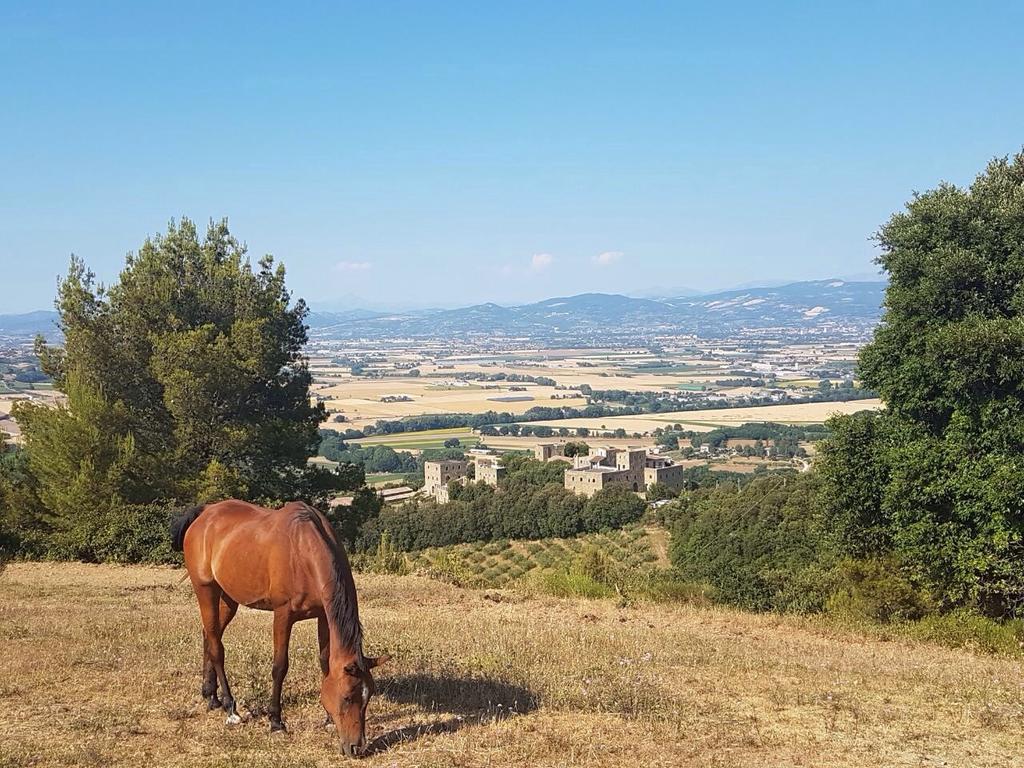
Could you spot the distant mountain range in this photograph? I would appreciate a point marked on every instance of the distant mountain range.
(837, 307)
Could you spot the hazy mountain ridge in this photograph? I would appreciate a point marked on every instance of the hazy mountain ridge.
(852, 306)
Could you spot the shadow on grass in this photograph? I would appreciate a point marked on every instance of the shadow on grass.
(469, 701)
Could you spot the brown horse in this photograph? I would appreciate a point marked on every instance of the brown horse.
(287, 561)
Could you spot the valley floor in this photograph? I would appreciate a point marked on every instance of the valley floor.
(101, 668)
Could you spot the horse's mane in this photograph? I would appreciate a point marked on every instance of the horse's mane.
(342, 609)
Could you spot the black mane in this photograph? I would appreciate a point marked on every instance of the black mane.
(342, 609)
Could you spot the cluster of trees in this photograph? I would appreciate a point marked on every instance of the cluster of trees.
(531, 503)
(919, 507)
(185, 382)
(936, 481)
(784, 438)
(760, 545)
(383, 458)
(489, 418)
(513, 378)
(372, 458)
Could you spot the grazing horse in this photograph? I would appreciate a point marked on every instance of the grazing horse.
(287, 561)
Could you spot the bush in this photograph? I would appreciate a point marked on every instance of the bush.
(876, 589)
(385, 559)
(965, 629)
(451, 569)
(126, 533)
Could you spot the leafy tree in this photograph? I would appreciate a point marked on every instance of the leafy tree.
(185, 382)
(939, 480)
(613, 507)
(572, 449)
(659, 492)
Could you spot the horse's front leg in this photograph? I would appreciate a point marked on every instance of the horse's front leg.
(282, 635)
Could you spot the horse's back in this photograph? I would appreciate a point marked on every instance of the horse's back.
(243, 548)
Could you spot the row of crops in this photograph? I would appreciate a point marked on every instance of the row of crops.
(497, 563)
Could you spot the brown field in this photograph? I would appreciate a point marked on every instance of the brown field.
(101, 668)
(359, 397)
(706, 420)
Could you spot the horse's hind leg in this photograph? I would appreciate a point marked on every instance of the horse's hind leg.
(209, 689)
(217, 611)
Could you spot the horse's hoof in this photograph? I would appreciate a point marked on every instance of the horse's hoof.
(278, 727)
(213, 704)
(232, 719)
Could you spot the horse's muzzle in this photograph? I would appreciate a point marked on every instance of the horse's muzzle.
(353, 750)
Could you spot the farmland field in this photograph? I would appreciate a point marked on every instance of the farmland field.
(707, 420)
(418, 441)
(382, 478)
(102, 666)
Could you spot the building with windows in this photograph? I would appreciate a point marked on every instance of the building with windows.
(631, 468)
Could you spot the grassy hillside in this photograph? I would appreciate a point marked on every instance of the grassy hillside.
(101, 668)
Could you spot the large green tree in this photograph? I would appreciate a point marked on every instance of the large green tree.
(185, 382)
(938, 479)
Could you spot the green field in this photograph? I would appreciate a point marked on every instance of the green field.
(384, 477)
(419, 441)
(499, 563)
(451, 387)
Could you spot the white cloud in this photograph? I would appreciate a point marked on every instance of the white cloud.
(608, 258)
(352, 266)
(540, 262)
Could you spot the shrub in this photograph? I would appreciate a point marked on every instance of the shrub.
(965, 629)
(566, 583)
(385, 559)
(752, 544)
(876, 589)
(450, 569)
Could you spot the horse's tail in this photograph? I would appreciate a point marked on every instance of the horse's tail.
(180, 524)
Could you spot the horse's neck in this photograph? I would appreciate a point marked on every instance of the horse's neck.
(340, 651)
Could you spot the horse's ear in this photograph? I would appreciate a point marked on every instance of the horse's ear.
(376, 661)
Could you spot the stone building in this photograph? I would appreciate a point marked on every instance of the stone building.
(660, 469)
(607, 467)
(437, 475)
(548, 451)
(489, 469)
(632, 468)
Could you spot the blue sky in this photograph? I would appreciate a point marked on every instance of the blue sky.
(432, 153)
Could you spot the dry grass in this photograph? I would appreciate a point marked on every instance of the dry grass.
(101, 668)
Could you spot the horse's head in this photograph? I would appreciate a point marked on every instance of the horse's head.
(345, 693)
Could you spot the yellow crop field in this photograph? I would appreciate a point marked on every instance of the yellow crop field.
(706, 420)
